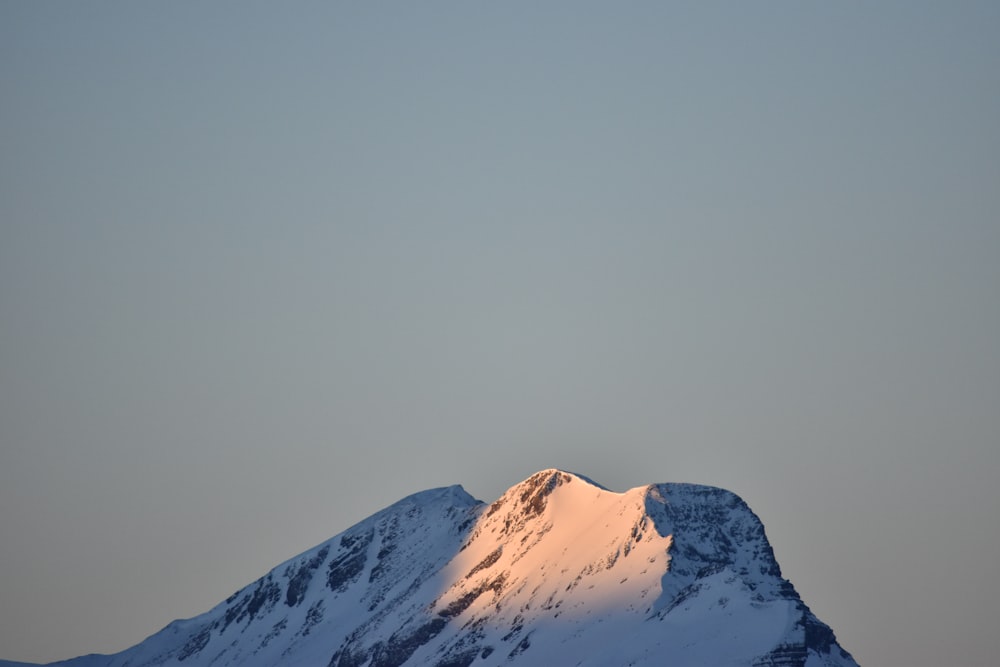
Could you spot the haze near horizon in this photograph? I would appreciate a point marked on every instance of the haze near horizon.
(265, 270)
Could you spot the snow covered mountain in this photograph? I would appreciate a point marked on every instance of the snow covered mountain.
(558, 571)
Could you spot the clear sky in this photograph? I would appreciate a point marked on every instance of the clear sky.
(266, 268)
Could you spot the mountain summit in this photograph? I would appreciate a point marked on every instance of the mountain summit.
(558, 571)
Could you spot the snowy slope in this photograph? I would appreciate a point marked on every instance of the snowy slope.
(558, 571)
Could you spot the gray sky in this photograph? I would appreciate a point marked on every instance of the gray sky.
(266, 269)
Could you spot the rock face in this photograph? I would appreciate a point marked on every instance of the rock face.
(558, 571)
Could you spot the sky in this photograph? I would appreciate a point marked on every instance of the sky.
(268, 268)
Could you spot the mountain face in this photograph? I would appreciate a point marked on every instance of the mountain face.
(558, 571)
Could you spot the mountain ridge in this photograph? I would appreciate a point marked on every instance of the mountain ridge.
(558, 570)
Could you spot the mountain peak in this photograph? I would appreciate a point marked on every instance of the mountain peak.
(454, 495)
(558, 570)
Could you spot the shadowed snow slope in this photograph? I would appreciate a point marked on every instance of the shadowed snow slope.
(558, 571)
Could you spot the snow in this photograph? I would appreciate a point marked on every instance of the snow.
(559, 570)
